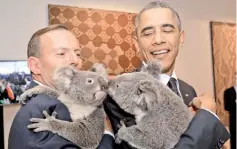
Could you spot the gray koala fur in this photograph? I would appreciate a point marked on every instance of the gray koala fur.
(161, 116)
(83, 93)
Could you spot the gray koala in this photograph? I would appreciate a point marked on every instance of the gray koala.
(161, 116)
(83, 93)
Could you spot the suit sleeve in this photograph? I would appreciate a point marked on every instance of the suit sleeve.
(107, 142)
(205, 131)
(45, 139)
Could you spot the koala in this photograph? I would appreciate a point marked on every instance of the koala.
(83, 93)
(161, 116)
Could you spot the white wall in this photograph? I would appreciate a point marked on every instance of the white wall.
(20, 18)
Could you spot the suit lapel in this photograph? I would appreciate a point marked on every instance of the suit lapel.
(32, 84)
(185, 94)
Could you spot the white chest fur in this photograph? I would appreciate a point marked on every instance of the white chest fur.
(76, 111)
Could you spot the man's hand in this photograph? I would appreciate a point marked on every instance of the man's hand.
(204, 101)
(108, 126)
(191, 108)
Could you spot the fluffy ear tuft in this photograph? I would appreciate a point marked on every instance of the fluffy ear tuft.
(63, 77)
(153, 68)
(100, 69)
(147, 95)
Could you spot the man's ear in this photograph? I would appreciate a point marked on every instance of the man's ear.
(34, 65)
(147, 95)
(138, 50)
(181, 38)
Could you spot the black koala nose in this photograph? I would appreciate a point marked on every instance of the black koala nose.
(103, 83)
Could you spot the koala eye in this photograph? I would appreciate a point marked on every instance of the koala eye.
(117, 85)
(89, 80)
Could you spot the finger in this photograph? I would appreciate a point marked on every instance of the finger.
(39, 129)
(45, 113)
(191, 103)
(36, 120)
(194, 112)
(196, 103)
(54, 114)
(191, 109)
(31, 126)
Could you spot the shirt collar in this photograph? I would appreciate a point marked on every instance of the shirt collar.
(164, 78)
(40, 83)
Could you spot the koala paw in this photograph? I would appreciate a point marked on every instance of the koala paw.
(24, 98)
(122, 124)
(117, 139)
(39, 124)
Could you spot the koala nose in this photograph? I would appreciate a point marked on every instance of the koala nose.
(103, 83)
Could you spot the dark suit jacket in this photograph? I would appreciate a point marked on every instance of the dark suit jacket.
(229, 99)
(187, 91)
(204, 132)
(230, 106)
(21, 137)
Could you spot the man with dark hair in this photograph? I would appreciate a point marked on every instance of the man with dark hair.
(48, 49)
(158, 37)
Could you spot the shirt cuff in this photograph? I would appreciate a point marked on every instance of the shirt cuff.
(109, 133)
(212, 113)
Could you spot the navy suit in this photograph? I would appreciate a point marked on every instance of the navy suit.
(21, 137)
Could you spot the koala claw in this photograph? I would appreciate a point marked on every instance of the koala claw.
(117, 139)
(122, 124)
(45, 113)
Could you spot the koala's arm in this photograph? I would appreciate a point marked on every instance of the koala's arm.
(35, 91)
(131, 136)
(86, 133)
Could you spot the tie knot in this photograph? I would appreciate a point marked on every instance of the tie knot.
(172, 81)
(172, 84)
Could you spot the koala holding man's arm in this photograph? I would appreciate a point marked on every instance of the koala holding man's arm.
(161, 116)
(83, 93)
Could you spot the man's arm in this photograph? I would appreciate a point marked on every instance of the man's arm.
(46, 139)
(21, 137)
(204, 132)
(107, 141)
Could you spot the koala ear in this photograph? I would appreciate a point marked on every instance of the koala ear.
(100, 69)
(153, 68)
(147, 95)
(63, 77)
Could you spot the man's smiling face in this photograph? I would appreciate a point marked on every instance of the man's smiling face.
(158, 37)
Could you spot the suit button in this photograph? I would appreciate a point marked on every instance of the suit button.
(219, 145)
(221, 141)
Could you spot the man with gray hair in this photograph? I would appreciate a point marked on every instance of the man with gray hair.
(158, 37)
